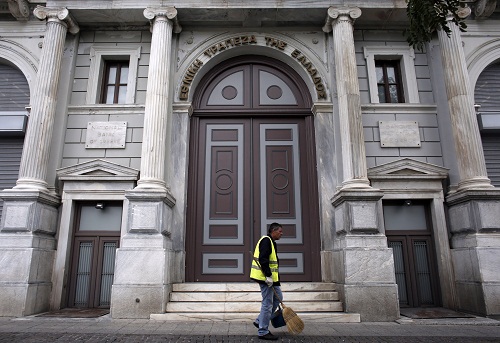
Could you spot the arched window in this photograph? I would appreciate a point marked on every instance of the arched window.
(14, 98)
(487, 96)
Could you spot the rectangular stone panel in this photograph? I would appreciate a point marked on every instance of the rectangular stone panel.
(399, 134)
(106, 135)
(16, 216)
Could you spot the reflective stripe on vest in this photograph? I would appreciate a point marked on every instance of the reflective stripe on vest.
(256, 273)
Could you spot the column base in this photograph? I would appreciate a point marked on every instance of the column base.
(142, 283)
(31, 185)
(356, 184)
(27, 251)
(364, 273)
(149, 211)
(358, 210)
(475, 183)
(475, 228)
(29, 211)
(145, 262)
(363, 265)
(138, 301)
(26, 261)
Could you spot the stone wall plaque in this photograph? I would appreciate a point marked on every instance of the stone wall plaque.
(399, 134)
(106, 135)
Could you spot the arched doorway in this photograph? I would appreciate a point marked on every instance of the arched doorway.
(252, 162)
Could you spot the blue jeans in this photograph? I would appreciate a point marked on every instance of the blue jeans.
(269, 304)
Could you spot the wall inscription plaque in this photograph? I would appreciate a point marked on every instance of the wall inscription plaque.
(399, 134)
(106, 135)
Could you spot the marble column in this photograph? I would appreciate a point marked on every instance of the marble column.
(349, 103)
(35, 158)
(474, 208)
(30, 210)
(157, 99)
(145, 261)
(362, 264)
(470, 156)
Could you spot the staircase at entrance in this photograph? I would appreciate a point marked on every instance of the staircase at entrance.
(315, 301)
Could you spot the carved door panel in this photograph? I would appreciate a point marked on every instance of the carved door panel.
(249, 173)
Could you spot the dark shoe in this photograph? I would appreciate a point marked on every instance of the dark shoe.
(269, 337)
(256, 325)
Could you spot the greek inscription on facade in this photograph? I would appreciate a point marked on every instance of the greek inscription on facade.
(313, 72)
(106, 135)
(188, 78)
(275, 43)
(229, 43)
(246, 40)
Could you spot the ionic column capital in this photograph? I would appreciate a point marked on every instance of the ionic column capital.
(59, 14)
(484, 8)
(170, 13)
(19, 9)
(340, 13)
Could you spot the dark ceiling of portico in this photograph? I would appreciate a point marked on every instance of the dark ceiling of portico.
(127, 14)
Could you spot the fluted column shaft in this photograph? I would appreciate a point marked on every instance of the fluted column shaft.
(157, 99)
(35, 158)
(349, 102)
(471, 163)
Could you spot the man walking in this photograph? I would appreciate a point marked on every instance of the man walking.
(266, 274)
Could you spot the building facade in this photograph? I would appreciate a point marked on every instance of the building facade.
(150, 144)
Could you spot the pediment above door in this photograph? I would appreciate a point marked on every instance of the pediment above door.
(97, 170)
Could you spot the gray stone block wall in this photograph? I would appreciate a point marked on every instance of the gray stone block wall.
(429, 151)
(74, 150)
(107, 38)
(394, 38)
(80, 113)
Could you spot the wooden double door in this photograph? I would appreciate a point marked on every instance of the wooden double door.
(415, 269)
(409, 234)
(245, 174)
(96, 238)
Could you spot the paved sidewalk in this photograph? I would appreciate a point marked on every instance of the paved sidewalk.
(105, 329)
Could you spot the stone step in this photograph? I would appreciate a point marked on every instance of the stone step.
(250, 296)
(241, 301)
(247, 306)
(251, 287)
(312, 317)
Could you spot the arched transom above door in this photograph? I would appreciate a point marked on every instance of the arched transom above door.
(252, 84)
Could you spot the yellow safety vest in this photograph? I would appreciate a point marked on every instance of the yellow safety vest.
(256, 273)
